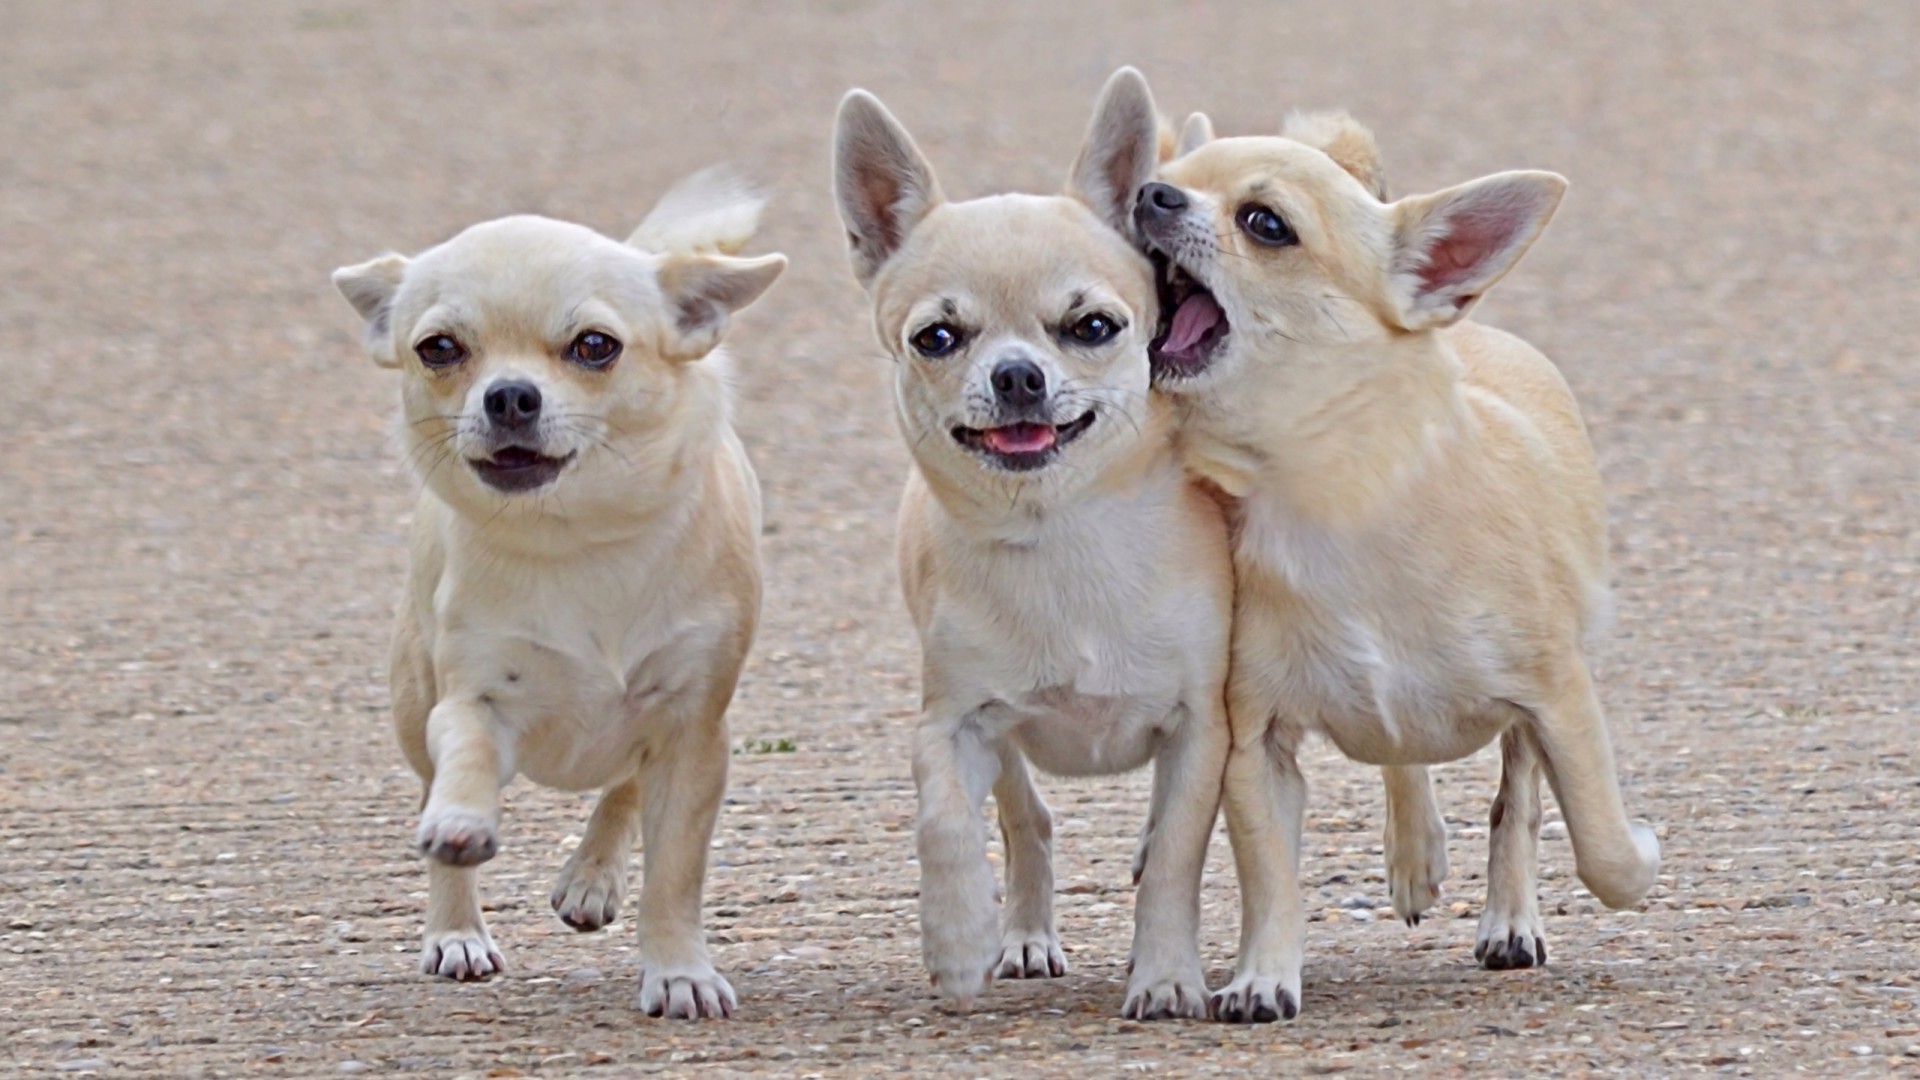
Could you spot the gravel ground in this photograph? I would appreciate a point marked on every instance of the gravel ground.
(204, 865)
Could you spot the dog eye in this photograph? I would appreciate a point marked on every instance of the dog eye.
(593, 349)
(936, 340)
(1265, 226)
(440, 351)
(1095, 328)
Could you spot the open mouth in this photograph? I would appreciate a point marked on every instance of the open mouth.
(1023, 446)
(1192, 323)
(516, 468)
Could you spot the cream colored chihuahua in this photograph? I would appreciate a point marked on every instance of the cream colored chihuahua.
(1420, 546)
(1071, 587)
(585, 578)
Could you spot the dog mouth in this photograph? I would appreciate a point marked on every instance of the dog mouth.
(1023, 446)
(514, 469)
(1192, 323)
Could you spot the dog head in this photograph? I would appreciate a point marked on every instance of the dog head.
(542, 357)
(1284, 250)
(1017, 323)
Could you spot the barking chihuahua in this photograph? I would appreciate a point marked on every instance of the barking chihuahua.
(1419, 537)
(585, 577)
(1071, 587)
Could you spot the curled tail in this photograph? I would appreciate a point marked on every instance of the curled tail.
(713, 212)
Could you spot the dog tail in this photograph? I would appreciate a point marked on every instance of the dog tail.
(713, 212)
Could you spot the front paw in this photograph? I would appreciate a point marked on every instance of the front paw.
(467, 955)
(588, 894)
(1510, 937)
(685, 992)
(1176, 995)
(1030, 954)
(456, 837)
(1414, 873)
(1255, 999)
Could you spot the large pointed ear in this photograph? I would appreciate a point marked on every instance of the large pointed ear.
(369, 287)
(1194, 134)
(703, 292)
(1450, 247)
(1121, 150)
(881, 181)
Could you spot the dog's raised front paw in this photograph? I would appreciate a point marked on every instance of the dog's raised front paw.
(685, 992)
(588, 894)
(1030, 954)
(1169, 996)
(1510, 939)
(1252, 999)
(462, 955)
(456, 837)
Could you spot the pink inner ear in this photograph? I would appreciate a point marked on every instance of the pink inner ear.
(1471, 235)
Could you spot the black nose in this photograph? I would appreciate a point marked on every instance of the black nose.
(1158, 201)
(1019, 383)
(513, 404)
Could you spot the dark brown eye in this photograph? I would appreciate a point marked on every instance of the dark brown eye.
(1095, 328)
(936, 340)
(1265, 226)
(593, 349)
(440, 351)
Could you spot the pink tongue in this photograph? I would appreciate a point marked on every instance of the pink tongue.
(1018, 438)
(1197, 315)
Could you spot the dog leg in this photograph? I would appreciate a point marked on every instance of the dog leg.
(457, 944)
(952, 769)
(594, 881)
(459, 825)
(682, 780)
(1511, 935)
(1029, 944)
(1266, 800)
(1416, 842)
(1166, 980)
(1617, 860)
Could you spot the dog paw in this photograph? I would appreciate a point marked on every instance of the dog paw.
(685, 992)
(1252, 999)
(1415, 871)
(456, 837)
(588, 894)
(462, 955)
(1169, 996)
(1510, 940)
(1028, 954)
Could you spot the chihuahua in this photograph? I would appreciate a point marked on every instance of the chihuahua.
(1070, 585)
(585, 575)
(1419, 535)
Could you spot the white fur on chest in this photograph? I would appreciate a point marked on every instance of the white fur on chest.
(1360, 652)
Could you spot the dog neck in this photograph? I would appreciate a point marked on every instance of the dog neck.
(1338, 451)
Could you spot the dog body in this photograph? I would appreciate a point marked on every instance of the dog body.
(1070, 585)
(1419, 537)
(585, 576)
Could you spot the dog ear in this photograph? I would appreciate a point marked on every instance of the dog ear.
(1121, 150)
(1194, 134)
(1452, 246)
(703, 292)
(881, 182)
(1344, 139)
(369, 287)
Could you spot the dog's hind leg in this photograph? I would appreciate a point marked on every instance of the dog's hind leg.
(1511, 934)
(1029, 943)
(1617, 860)
(457, 944)
(1416, 841)
(594, 881)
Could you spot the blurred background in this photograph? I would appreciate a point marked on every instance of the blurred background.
(204, 823)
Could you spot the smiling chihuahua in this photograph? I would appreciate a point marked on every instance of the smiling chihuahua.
(585, 577)
(1069, 584)
(1420, 545)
